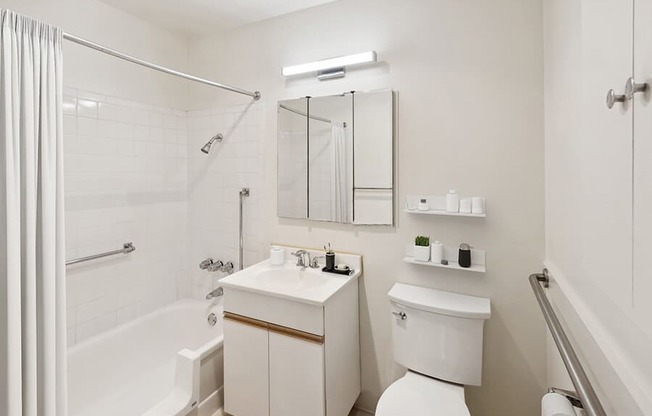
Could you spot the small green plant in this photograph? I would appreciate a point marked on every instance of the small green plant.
(422, 241)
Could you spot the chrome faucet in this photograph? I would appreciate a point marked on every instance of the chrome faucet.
(215, 293)
(301, 258)
(302, 255)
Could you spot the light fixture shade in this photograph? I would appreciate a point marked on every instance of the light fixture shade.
(339, 62)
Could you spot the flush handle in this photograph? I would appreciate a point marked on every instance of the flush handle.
(400, 315)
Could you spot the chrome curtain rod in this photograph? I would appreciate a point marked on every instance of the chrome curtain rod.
(589, 399)
(129, 58)
(301, 113)
(126, 248)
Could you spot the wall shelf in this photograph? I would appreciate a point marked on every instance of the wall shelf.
(452, 265)
(478, 259)
(437, 207)
(444, 213)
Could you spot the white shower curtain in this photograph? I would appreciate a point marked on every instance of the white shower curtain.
(339, 187)
(32, 263)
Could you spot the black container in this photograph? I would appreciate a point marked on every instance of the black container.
(330, 261)
(464, 256)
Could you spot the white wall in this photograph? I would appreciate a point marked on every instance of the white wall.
(589, 201)
(469, 82)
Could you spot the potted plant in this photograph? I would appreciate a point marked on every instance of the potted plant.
(422, 248)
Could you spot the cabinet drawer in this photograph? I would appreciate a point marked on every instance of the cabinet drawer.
(283, 312)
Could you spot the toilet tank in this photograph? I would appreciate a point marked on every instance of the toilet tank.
(439, 333)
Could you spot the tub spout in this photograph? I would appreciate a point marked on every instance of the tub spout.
(215, 293)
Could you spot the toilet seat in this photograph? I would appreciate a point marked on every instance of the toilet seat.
(419, 395)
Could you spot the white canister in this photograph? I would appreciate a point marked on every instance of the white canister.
(465, 205)
(423, 204)
(477, 203)
(276, 256)
(452, 201)
(436, 252)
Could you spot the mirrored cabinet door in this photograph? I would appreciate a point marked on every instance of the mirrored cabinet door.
(335, 158)
(292, 148)
(330, 163)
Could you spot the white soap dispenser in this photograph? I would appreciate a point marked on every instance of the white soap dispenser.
(452, 201)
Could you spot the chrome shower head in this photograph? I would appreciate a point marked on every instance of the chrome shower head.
(207, 147)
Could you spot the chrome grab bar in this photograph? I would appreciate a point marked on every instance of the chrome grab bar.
(587, 396)
(126, 248)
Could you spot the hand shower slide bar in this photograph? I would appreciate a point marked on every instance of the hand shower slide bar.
(146, 64)
(126, 248)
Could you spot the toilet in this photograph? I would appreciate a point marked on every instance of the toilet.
(437, 336)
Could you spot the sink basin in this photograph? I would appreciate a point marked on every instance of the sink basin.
(289, 281)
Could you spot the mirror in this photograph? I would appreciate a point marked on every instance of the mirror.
(335, 158)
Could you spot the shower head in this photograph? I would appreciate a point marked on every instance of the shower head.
(207, 147)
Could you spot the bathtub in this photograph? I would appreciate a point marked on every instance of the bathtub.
(166, 363)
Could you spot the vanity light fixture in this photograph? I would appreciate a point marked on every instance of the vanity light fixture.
(330, 68)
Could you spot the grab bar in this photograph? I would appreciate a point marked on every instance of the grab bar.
(589, 400)
(126, 248)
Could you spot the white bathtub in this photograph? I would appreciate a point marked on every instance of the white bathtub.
(165, 363)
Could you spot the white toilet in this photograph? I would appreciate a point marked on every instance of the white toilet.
(438, 337)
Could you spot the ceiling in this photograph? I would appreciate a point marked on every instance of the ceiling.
(193, 17)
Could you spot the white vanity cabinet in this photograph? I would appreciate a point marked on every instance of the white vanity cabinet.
(291, 357)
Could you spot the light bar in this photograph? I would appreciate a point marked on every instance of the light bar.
(339, 62)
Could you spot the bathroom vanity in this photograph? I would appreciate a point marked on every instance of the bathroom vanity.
(291, 340)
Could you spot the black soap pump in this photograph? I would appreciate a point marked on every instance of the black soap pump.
(464, 256)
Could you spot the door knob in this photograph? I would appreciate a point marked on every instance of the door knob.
(613, 98)
(631, 88)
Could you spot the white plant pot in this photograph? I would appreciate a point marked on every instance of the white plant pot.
(422, 253)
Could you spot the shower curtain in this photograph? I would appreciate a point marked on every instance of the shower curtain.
(339, 188)
(32, 264)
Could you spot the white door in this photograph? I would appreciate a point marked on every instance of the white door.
(604, 152)
(642, 283)
(246, 362)
(296, 377)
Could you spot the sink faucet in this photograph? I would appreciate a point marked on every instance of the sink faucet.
(301, 258)
(302, 255)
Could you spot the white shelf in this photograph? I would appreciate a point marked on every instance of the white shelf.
(452, 265)
(478, 259)
(442, 212)
(437, 207)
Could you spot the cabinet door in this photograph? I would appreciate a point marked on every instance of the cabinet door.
(246, 361)
(603, 244)
(642, 283)
(296, 377)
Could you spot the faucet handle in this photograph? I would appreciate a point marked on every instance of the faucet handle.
(300, 259)
(215, 266)
(314, 263)
(206, 263)
(228, 267)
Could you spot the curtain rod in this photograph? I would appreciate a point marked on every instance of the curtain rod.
(112, 52)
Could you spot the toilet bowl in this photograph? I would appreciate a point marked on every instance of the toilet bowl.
(438, 337)
(418, 395)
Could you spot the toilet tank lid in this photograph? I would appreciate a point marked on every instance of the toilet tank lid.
(438, 301)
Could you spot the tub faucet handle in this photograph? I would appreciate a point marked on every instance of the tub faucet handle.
(206, 263)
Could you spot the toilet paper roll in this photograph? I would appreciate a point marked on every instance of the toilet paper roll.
(553, 404)
(477, 202)
(276, 256)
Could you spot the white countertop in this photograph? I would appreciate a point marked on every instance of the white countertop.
(289, 281)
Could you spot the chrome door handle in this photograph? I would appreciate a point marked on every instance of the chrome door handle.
(400, 315)
(631, 88)
(612, 99)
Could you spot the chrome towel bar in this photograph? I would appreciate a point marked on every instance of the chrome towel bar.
(126, 248)
(589, 400)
